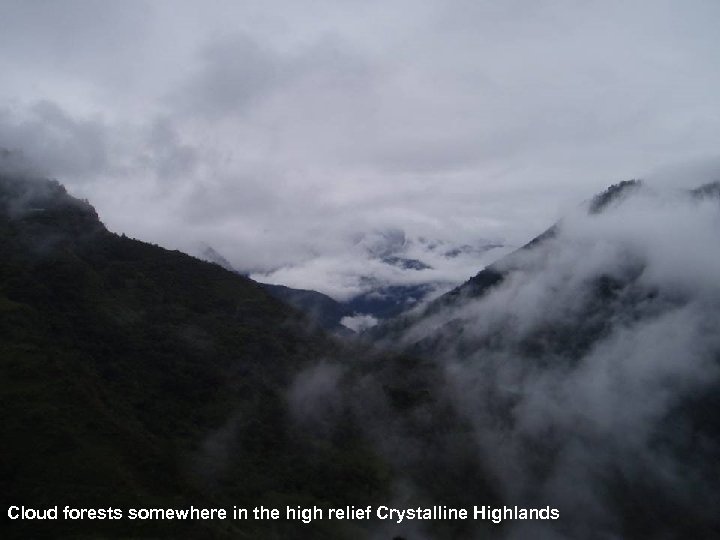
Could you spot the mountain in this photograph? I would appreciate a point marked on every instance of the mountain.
(380, 302)
(388, 301)
(319, 308)
(588, 364)
(391, 272)
(324, 311)
(494, 274)
(134, 376)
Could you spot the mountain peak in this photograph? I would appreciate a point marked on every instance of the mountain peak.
(612, 194)
(41, 203)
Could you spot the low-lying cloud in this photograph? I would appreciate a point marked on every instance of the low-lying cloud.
(587, 372)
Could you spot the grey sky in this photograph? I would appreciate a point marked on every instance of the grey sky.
(283, 133)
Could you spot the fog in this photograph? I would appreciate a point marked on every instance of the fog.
(587, 376)
(589, 398)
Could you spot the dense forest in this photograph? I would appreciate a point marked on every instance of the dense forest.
(134, 376)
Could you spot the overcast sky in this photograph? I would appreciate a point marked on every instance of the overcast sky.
(291, 135)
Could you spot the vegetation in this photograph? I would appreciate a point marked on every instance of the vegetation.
(134, 376)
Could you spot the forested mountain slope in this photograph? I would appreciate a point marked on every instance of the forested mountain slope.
(588, 362)
(134, 375)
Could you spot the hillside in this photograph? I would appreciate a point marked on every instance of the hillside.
(492, 275)
(588, 362)
(380, 303)
(134, 375)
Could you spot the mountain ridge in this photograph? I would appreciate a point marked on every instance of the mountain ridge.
(121, 362)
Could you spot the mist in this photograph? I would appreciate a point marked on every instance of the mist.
(586, 375)
(588, 372)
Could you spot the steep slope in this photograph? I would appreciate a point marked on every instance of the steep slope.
(588, 363)
(381, 302)
(320, 309)
(492, 275)
(324, 311)
(135, 376)
(376, 275)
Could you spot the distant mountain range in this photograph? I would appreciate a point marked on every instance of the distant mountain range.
(379, 302)
(319, 308)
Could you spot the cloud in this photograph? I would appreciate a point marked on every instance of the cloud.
(314, 397)
(585, 372)
(366, 262)
(277, 134)
(52, 142)
(359, 323)
(234, 74)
